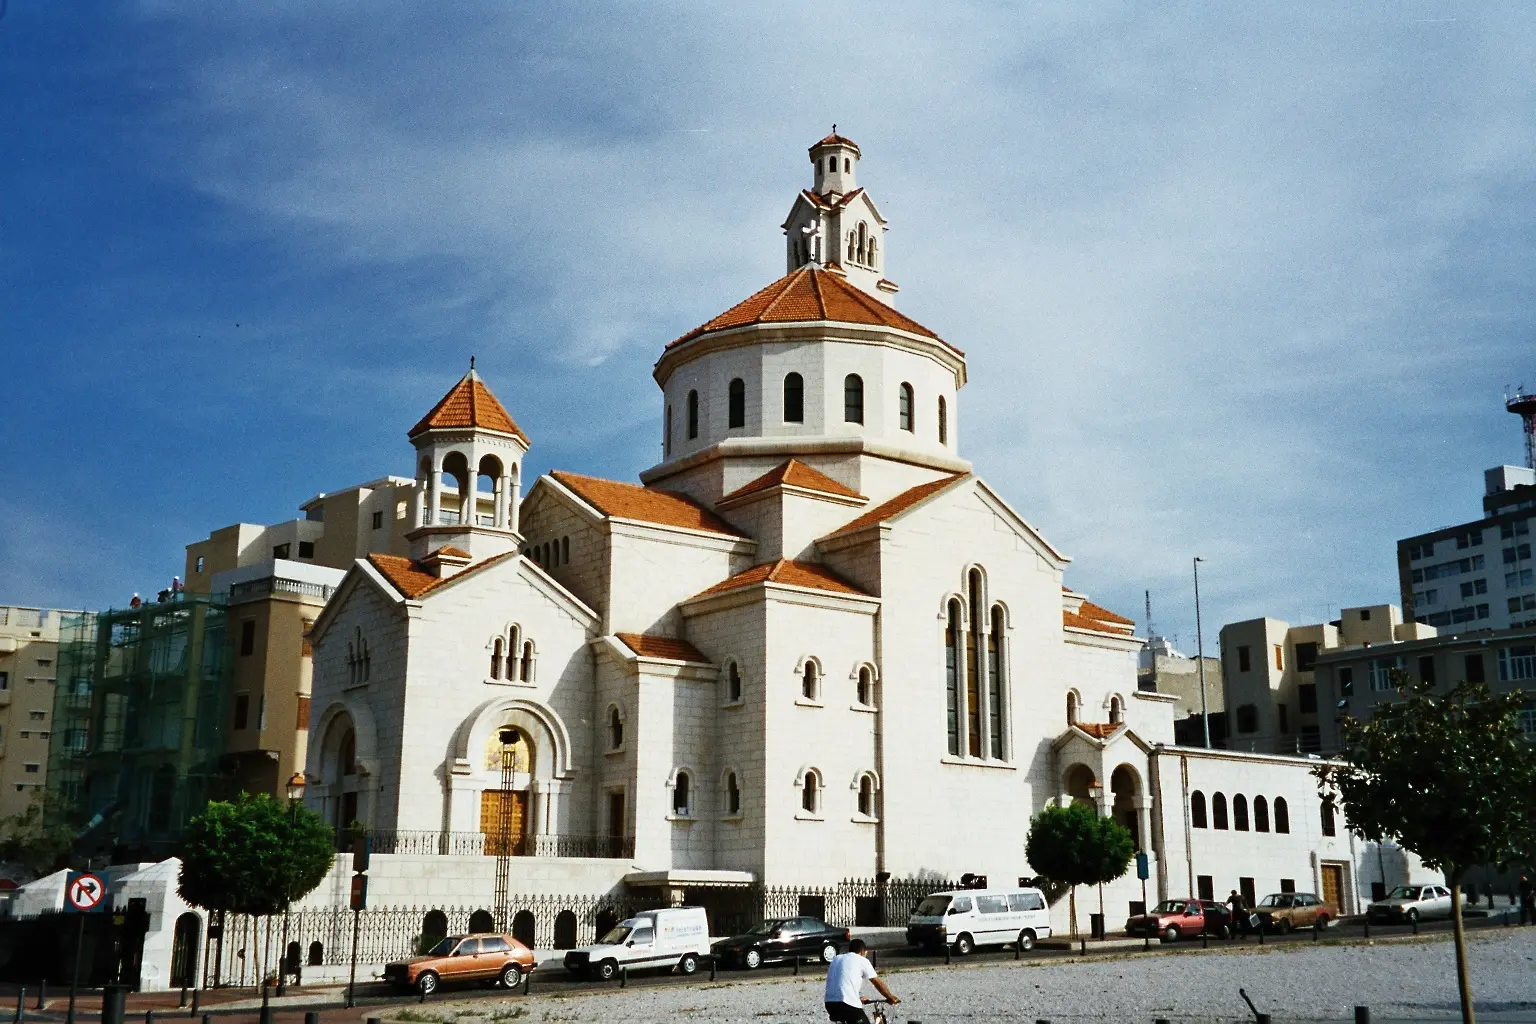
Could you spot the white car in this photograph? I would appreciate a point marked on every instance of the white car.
(675, 937)
(1409, 903)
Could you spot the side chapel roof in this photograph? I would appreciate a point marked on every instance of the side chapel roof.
(647, 504)
(794, 473)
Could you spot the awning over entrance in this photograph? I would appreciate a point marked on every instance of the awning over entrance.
(690, 878)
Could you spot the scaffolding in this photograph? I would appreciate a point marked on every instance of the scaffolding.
(139, 715)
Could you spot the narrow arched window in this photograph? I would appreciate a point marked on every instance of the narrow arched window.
(869, 255)
(847, 165)
(851, 248)
(866, 691)
(1282, 816)
(1116, 711)
(1197, 809)
(1219, 810)
(737, 404)
(527, 669)
(496, 655)
(1071, 709)
(975, 637)
(1240, 813)
(732, 794)
(867, 796)
(666, 433)
(997, 679)
(904, 407)
(808, 681)
(943, 421)
(680, 787)
(1260, 814)
(853, 398)
(733, 684)
(565, 551)
(794, 398)
(863, 235)
(810, 792)
(952, 660)
(615, 729)
(831, 164)
(1330, 825)
(693, 415)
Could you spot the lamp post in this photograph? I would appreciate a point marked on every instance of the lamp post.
(295, 795)
(509, 738)
(1205, 717)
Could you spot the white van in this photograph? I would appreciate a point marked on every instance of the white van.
(675, 937)
(967, 918)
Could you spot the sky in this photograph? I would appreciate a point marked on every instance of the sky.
(1246, 282)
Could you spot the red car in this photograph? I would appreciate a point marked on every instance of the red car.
(1172, 920)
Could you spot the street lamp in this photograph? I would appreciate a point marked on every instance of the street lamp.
(295, 796)
(1205, 717)
(295, 789)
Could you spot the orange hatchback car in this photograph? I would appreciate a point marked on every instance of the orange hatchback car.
(494, 958)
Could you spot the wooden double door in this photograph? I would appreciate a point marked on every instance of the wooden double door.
(495, 803)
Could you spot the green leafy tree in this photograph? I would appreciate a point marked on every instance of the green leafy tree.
(31, 840)
(1447, 776)
(1075, 845)
(255, 855)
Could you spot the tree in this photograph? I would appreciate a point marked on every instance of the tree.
(29, 839)
(254, 856)
(1447, 776)
(1075, 845)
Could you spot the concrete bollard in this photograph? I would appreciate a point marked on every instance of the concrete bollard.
(1362, 1015)
(21, 1003)
(623, 977)
(1160, 1020)
(527, 980)
(42, 994)
(1415, 922)
(207, 1018)
(1261, 1018)
(1205, 940)
(197, 997)
(946, 952)
(1261, 933)
(712, 966)
(311, 1017)
(1366, 925)
(797, 966)
(149, 1017)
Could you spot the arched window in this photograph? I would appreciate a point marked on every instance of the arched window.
(1330, 825)
(1240, 813)
(952, 660)
(975, 637)
(733, 683)
(904, 407)
(1071, 708)
(1218, 810)
(831, 164)
(526, 674)
(810, 792)
(1116, 711)
(346, 754)
(680, 794)
(666, 434)
(514, 645)
(565, 929)
(853, 399)
(997, 680)
(1260, 814)
(1197, 809)
(863, 237)
(693, 415)
(615, 729)
(737, 403)
(869, 255)
(316, 954)
(810, 680)
(732, 794)
(847, 165)
(794, 398)
(1282, 816)
(943, 421)
(481, 921)
(866, 687)
(851, 247)
(523, 925)
(867, 795)
(496, 656)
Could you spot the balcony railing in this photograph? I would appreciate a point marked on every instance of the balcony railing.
(278, 585)
(478, 844)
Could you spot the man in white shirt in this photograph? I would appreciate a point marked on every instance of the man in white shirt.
(846, 975)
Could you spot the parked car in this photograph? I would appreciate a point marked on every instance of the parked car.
(1172, 920)
(675, 937)
(494, 958)
(1409, 903)
(781, 939)
(967, 918)
(1287, 911)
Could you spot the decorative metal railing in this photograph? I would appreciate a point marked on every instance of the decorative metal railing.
(475, 844)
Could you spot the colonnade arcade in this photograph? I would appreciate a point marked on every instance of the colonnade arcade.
(448, 494)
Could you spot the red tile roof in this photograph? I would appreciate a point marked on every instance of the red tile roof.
(794, 473)
(408, 577)
(832, 200)
(1090, 610)
(899, 504)
(1098, 730)
(835, 140)
(1100, 620)
(665, 647)
(790, 574)
(452, 552)
(808, 295)
(632, 501)
(469, 403)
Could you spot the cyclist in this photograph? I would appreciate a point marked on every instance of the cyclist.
(846, 975)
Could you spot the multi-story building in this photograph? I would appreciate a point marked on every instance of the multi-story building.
(1481, 574)
(1269, 671)
(1162, 668)
(29, 653)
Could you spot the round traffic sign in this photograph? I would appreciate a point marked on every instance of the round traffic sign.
(85, 892)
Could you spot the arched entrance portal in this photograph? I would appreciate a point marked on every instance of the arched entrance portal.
(1125, 786)
(504, 809)
(189, 928)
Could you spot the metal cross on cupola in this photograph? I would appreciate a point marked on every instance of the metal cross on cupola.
(835, 225)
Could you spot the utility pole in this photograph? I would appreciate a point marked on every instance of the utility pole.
(1205, 718)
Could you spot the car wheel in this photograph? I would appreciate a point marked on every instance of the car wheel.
(828, 951)
(607, 970)
(1322, 920)
(1026, 940)
(1224, 932)
(426, 983)
(964, 945)
(1411, 917)
(511, 976)
(1283, 926)
(753, 959)
(1171, 934)
(689, 964)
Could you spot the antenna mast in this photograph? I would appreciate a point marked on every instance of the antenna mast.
(1150, 631)
(1524, 406)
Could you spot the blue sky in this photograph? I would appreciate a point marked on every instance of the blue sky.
(1235, 282)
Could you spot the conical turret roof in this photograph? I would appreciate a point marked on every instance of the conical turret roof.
(469, 404)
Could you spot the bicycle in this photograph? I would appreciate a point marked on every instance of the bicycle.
(877, 1010)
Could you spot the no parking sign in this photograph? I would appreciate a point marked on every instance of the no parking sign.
(84, 893)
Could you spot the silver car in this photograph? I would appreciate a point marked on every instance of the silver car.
(1409, 903)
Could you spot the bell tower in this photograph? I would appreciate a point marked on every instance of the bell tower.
(469, 465)
(836, 160)
(835, 225)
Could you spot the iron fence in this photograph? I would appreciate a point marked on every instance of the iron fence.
(853, 902)
(476, 844)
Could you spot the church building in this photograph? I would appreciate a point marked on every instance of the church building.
(810, 645)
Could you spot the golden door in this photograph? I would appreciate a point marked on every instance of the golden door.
(1333, 884)
(490, 820)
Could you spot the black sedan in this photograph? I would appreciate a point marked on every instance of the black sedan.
(782, 939)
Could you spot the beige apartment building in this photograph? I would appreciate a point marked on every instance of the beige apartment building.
(29, 657)
(1269, 671)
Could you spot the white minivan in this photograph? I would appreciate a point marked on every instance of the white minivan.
(967, 918)
(675, 937)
